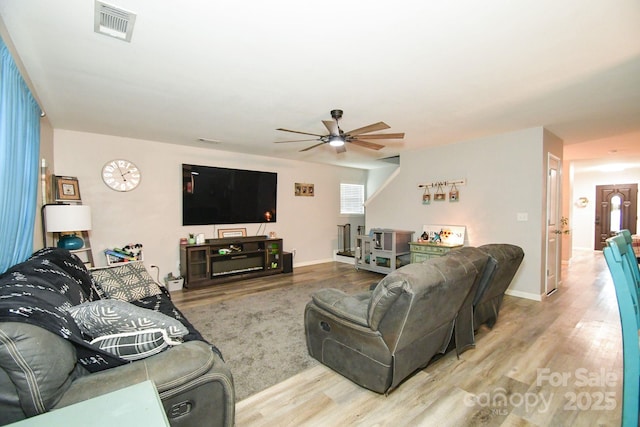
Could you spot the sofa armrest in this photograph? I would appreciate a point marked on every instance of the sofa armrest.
(169, 369)
(350, 307)
(38, 368)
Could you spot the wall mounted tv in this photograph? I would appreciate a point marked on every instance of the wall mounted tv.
(212, 195)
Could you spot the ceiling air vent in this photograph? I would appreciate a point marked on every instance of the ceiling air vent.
(114, 22)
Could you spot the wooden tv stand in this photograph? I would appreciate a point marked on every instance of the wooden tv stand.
(232, 258)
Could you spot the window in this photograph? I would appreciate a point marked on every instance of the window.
(351, 199)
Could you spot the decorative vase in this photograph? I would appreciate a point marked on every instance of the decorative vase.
(70, 242)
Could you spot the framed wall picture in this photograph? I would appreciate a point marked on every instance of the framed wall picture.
(232, 232)
(301, 189)
(66, 188)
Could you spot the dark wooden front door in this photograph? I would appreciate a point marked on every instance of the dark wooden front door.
(616, 209)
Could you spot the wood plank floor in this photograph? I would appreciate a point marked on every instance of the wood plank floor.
(552, 363)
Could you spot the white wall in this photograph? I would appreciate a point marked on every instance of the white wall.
(152, 213)
(505, 176)
(378, 177)
(584, 185)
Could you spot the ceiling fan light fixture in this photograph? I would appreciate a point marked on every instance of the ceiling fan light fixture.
(336, 141)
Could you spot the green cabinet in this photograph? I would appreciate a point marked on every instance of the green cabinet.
(422, 251)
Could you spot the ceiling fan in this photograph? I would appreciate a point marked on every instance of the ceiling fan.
(338, 138)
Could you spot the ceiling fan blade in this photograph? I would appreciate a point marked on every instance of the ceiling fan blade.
(370, 128)
(313, 146)
(332, 127)
(341, 149)
(297, 131)
(398, 135)
(295, 140)
(366, 144)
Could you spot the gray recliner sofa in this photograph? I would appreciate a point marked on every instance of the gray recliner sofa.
(380, 337)
(45, 363)
(506, 260)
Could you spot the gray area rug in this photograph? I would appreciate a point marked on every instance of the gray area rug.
(261, 336)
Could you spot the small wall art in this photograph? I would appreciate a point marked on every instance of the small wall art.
(304, 189)
(426, 196)
(439, 195)
(454, 194)
(439, 191)
(66, 189)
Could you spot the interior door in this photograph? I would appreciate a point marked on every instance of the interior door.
(554, 252)
(616, 209)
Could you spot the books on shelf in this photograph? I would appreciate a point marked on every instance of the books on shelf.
(117, 255)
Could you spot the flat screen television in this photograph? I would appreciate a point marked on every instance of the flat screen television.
(213, 195)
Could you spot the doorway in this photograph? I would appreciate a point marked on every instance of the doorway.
(616, 209)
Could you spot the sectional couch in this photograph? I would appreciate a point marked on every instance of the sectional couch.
(379, 338)
(68, 334)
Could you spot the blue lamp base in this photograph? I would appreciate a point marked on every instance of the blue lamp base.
(70, 242)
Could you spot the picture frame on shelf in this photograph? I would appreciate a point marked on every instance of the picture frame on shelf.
(232, 232)
(66, 188)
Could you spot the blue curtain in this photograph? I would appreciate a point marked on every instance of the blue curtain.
(19, 148)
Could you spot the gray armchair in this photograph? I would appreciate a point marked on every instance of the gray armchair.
(379, 338)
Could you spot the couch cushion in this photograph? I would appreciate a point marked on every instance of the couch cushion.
(40, 364)
(38, 292)
(127, 282)
(350, 307)
(135, 345)
(112, 316)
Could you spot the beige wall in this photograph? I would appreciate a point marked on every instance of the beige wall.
(505, 176)
(152, 213)
(502, 181)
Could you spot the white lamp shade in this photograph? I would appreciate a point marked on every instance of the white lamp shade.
(59, 218)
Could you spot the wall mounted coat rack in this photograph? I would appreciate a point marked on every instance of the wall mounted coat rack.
(436, 184)
(439, 190)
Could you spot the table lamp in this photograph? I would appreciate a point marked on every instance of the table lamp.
(66, 220)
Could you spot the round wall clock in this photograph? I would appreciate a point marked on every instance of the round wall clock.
(121, 175)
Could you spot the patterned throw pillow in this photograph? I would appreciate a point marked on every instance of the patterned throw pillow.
(127, 282)
(135, 345)
(112, 316)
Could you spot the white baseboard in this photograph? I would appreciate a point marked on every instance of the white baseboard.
(345, 259)
(314, 262)
(526, 295)
(336, 258)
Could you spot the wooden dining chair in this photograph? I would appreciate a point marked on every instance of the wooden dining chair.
(625, 287)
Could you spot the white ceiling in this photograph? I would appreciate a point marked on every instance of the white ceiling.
(234, 71)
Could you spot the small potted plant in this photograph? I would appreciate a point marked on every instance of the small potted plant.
(192, 239)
